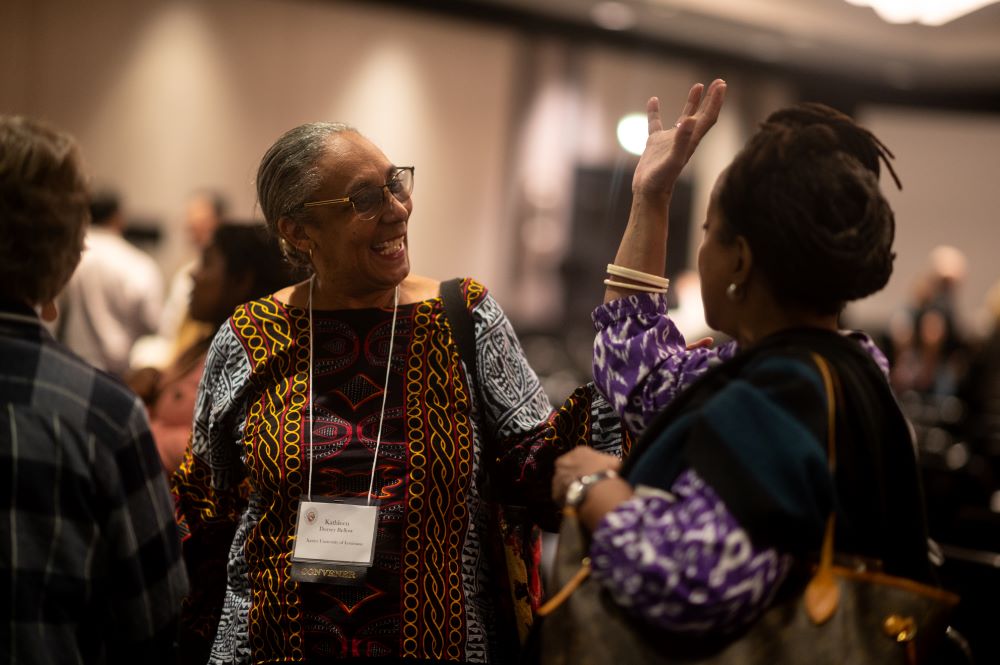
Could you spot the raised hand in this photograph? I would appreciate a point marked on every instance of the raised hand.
(668, 150)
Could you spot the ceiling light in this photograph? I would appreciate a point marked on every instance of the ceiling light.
(927, 12)
(633, 130)
(613, 15)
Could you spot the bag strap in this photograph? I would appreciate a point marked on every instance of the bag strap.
(822, 595)
(578, 578)
(463, 329)
(462, 326)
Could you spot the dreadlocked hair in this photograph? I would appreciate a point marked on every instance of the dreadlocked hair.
(804, 193)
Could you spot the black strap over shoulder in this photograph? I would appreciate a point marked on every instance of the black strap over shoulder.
(462, 325)
(464, 330)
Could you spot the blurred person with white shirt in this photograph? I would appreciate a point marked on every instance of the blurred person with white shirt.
(114, 297)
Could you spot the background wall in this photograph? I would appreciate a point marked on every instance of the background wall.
(169, 96)
(949, 164)
(166, 97)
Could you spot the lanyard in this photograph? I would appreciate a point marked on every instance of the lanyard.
(385, 391)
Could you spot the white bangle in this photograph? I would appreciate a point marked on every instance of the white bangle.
(642, 277)
(634, 287)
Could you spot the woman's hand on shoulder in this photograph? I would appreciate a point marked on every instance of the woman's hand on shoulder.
(668, 150)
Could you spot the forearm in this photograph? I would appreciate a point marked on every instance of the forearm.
(681, 560)
(601, 499)
(644, 244)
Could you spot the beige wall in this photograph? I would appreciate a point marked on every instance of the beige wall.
(949, 164)
(167, 96)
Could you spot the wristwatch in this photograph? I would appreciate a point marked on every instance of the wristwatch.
(577, 490)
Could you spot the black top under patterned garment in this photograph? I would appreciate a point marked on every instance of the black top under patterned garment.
(350, 349)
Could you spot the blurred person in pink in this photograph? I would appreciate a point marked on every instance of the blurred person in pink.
(176, 329)
(240, 263)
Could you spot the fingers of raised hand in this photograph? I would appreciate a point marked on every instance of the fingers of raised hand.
(701, 102)
(653, 115)
(708, 111)
(685, 138)
(693, 101)
(712, 103)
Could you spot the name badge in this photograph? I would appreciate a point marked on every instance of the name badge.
(334, 541)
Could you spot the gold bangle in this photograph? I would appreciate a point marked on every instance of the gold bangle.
(642, 277)
(634, 287)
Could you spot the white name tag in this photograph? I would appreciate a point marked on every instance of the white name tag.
(335, 532)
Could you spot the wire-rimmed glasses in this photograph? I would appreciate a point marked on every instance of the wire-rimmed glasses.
(368, 201)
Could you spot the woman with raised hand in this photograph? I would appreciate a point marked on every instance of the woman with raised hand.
(729, 484)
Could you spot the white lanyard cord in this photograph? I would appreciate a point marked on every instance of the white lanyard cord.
(312, 426)
(385, 391)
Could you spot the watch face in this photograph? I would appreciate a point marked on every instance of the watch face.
(575, 493)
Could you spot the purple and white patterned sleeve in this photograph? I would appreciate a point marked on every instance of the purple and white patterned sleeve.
(681, 561)
(641, 362)
(641, 359)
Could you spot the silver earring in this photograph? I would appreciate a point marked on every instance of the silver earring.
(733, 291)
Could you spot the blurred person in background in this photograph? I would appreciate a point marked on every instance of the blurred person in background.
(241, 262)
(980, 392)
(114, 297)
(88, 546)
(928, 351)
(689, 315)
(981, 389)
(177, 330)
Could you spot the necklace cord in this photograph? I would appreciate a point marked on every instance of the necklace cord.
(385, 391)
(309, 491)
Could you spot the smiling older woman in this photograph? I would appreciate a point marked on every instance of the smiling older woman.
(340, 435)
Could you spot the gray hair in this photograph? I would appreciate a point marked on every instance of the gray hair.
(43, 209)
(289, 175)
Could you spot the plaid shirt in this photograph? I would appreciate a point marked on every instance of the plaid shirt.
(90, 564)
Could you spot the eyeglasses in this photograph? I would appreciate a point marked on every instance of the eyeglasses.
(368, 201)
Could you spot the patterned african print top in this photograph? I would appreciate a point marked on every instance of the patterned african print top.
(432, 593)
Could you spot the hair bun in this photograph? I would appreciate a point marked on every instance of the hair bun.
(804, 193)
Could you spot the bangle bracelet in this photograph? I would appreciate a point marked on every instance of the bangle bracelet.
(635, 287)
(642, 277)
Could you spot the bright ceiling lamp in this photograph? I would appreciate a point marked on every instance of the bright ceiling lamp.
(633, 130)
(927, 12)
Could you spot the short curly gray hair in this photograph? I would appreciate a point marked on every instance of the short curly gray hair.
(43, 209)
(288, 176)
